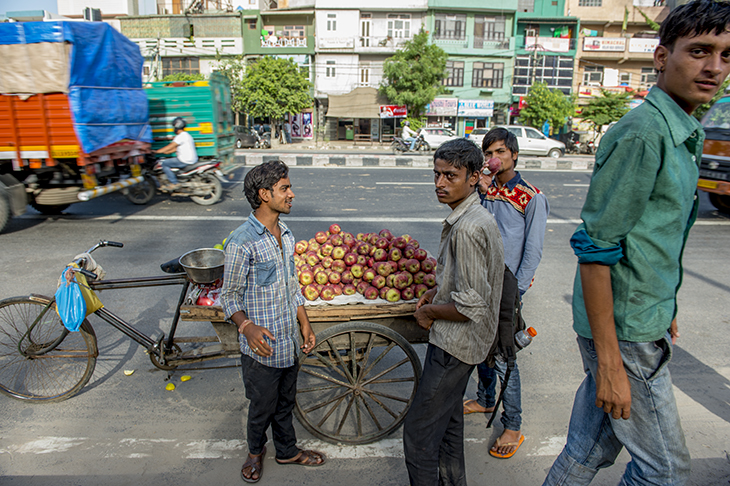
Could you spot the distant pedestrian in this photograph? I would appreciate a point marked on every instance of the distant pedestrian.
(640, 206)
(287, 131)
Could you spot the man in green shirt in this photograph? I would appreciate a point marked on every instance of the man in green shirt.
(636, 218)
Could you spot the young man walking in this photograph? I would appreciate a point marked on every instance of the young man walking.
(461, 313)
(636, 219)
(261, 297)
(521, 212)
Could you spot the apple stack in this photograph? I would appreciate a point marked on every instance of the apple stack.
(376, 265)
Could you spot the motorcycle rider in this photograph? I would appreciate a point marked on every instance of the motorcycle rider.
(184, 145)
(409, 135)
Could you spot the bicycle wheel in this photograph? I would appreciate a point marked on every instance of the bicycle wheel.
(50, 374)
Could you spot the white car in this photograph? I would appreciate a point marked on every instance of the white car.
(532, 142)
(437, 136)
(477, 135)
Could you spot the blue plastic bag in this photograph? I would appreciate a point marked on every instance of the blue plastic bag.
(70, 304)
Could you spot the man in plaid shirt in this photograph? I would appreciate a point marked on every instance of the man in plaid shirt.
(261, 297)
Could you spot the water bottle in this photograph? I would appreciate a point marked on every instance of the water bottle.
(524, 338)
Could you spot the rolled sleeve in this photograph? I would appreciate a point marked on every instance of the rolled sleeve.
(471, 305)
(236, 269)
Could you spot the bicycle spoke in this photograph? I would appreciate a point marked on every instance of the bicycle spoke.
(344, 415)
(379, 358)
(401, 363)
(324, 404)
(325, 377)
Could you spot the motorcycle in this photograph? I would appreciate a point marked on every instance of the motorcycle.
(200, 181)
(262, 140)
(399, 145)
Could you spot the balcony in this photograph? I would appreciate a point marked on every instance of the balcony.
(335, 42)
(379, 44)
(199, 46)
(496, 42)
(273, 41)
(547, 44)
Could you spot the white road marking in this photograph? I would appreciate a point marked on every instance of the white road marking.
(550, 447)
(404, 183)
(576, 185)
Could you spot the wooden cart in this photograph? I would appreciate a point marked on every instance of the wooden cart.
(358, 383)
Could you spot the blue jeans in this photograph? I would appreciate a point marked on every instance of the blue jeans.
(653, 435)
(512, 397)
(412, 141)
(167, 166)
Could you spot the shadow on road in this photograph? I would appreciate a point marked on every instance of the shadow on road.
(700, 382)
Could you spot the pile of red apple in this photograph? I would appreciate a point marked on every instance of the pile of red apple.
(376, 265)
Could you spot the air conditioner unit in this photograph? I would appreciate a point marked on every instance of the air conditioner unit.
(92, 14)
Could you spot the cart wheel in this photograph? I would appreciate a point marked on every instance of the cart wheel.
(357, 384)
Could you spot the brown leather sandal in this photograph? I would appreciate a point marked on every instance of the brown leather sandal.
(306, 458)
(255, 465)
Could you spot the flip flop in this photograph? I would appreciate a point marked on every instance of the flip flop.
(510, 454)
(305, 458)
(469, 407)
(256, 464)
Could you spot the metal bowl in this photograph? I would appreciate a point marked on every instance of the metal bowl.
(204, 265)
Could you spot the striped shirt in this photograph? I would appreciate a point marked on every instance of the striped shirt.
(260, 279)
(469, 273)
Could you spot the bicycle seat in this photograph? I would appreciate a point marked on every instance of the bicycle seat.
(173, 266)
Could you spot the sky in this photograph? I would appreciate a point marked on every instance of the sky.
(15, 5)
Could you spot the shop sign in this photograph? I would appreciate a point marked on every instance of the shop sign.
(476, 108)
(393, 111)
(643, 45)
(615, 44)
(442, 107)
(301, 125)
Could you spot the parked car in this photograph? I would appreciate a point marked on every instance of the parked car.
(244, 137)
(532, 142)
(437, 136)
(477, 135)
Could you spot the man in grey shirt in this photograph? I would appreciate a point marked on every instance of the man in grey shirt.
(461, 313)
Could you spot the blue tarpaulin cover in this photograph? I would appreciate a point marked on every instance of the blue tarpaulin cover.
(108, 103)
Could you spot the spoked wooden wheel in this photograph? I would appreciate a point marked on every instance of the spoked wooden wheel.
(358, 383)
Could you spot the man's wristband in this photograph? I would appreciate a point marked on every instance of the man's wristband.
(244, 324)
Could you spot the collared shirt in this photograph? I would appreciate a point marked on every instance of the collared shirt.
(638, 212)
(469, 273)
(260, 279)
(521, 211)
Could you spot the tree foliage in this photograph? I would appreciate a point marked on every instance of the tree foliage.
(604, 109)
(546, 104)
(269, 87)
(183, 77)
(413, 76)
(704, 108)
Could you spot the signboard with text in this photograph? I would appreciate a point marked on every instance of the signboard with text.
(643, 45)
(615, 44)
(442, 107)
(393, 111)
(476, 108)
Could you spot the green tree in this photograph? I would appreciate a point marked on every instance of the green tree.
(703, 108)
(183, 77)
(546, 104)
(413, 76)
(607, 108)
(269, 87)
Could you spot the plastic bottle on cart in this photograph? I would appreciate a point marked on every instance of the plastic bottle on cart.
(524, 338)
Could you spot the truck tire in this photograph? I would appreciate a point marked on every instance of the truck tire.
(4, 212)
(49, 208)
(722, 203)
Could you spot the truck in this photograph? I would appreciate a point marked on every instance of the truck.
(715, 165)
(74, 121)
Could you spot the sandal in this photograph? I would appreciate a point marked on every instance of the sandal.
(256, 466)
(306, 458)
(471, 406)
(498, 444)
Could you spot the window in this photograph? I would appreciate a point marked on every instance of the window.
(449, 27)
(251, 23)
(624, 78)
(399, 26)
(365, 74)
(648, 77)
(489, 28)
(172, 65)
(532, 133)
(593, 75)
(293, 32)
(531, 32)
(555, 71)
(330, 73)
(455, 73)
(487, 75)
(331, 22)
(589, 3)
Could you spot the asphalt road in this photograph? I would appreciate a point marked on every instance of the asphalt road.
(124, 430)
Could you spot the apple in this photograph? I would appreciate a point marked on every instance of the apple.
(321, 278)
(373, 238)
(335, 228)
(383, 269)
(390, 280)
(310, 241)
(418, 277)
(347, 277)
(428, 265)
(362, 260)
(298, 260)
(338, 289)
(363, 249)
(413, 265)
(348, 239)
(350, 259)
(328, 293)
(336, 240)
(382, 243)
(317, 268)
(371, 262)
(420, 254)
(378, 282)
(368, 275)
(430, 280)
(311, 292)
(386, 234)
(361, 237)
(319, 287)
(349, 289)
(320, 237)
(395, 254)
(339, 266)
(380, 255)
(334, 278)
(393, 295)
(407, 238)
(419, 290)
(393, 266)
(312, 259)
(357, 270)
(409, 251)
(301, 246)
(306, 277)
(407, 293)
(403, 280)
(384, 292)
(362, 286)
(402, 265)
(414, 242)
(371, 293)
(305, 266)
(339, 252)
(327, 248)
(399, 242)
(327, 261)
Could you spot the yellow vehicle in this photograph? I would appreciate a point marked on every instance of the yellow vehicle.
(715, 165)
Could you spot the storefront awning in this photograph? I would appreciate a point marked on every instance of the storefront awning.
(358, 103)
